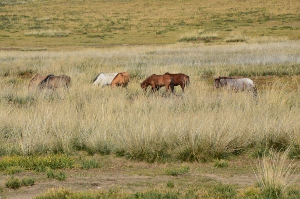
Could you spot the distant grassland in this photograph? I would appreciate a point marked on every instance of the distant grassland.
(56, 23)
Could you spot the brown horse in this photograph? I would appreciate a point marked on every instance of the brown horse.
(35, 81)
(180, 79)
(157, 81)
(121, 79)
(53, 82)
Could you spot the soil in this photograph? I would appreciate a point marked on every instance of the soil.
(119, 173)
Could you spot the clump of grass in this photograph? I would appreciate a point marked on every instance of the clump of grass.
(27, 181)
(220, 163)
(199, 36)
(170, 184)
(56, 175)
(221, 191)
(13, 183)
(89, 164)
(178, 171)
(13, 170)
(274, 175)
(38, 163)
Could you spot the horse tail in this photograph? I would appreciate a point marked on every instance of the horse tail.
(187, 81)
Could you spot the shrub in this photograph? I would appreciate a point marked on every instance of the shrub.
(170, 184)
(13, 183)
(27, 181)
(56, 175)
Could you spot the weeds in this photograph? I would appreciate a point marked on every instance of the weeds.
(15, 183)
(274, 175)
(179, 171)
(58, 175)
(38, 163)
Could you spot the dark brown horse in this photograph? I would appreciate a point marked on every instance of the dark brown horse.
(180, 79)
(121, 79)
(53, 82)
(158, 81)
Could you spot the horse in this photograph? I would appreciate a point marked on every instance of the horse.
(180, 79)
(239, 84)
(158, 81)
(121, 79)
(104, 79)
(36, 80)
(53, 82)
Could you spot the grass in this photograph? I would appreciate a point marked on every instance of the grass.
(45, 131)
(105, 23)
(15, 183)
(275, 174)
(213, 124)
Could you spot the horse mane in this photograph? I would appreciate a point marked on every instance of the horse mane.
(116, 76)
(97, 77)
(224, 77)
(48, 76)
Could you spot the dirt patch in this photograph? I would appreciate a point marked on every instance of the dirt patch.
(119, 173)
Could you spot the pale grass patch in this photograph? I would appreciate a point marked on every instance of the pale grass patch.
(236, 37)
(48, 33)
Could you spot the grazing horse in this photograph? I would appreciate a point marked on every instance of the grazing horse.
(180, 79)
(239, 84)
(157, 81)
(121, 79)
(53, 82)
(35, 81)
(104, 79)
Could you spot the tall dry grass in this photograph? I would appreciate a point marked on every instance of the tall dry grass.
(201, 124)
(275, 173)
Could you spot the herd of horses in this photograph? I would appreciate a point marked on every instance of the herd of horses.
(167, 80)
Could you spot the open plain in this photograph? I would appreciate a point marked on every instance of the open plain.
(93, 142)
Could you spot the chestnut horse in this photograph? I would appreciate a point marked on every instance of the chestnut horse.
(121, 79)
(180, 79)
(158, 81)
(239, 84)
(35, 81)
(53, 82)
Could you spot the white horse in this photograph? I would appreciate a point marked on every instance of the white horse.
(104, 79)
(240, 84)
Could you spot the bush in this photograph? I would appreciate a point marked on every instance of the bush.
(13, 183)
(27, 181)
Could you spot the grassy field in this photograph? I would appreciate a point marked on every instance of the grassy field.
(203, 124)
(124, 143)
(31, 25)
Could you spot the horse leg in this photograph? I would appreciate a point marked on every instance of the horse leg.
(182, 87)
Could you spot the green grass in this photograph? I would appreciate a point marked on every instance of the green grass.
(135, 22)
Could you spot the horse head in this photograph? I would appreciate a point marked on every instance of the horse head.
(218, 82)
